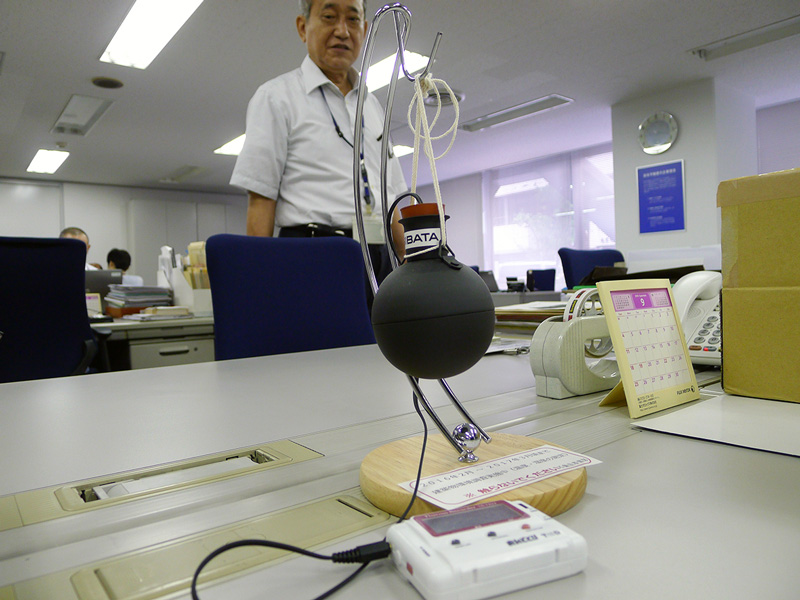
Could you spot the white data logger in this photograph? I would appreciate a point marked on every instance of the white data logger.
(484, 550)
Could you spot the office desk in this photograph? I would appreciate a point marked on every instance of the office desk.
(163, 343)
(664, 517)
(508, 298)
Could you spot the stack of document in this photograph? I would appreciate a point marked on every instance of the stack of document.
(137, 296)
(160, 313)
(529, 312)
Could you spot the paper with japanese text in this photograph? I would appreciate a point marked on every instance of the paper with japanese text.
(472, 483)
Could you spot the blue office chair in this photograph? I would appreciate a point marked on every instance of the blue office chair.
(279, 295)
(43, 318)
(578, 264)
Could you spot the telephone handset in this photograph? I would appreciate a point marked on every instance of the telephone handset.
(697, 301)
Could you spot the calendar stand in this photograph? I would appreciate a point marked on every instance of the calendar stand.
(655, 368)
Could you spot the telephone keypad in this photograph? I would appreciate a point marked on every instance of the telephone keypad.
(707, 338)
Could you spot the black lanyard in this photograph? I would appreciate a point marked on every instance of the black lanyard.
(367, 194)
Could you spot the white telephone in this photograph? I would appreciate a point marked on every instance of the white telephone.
(697, 301)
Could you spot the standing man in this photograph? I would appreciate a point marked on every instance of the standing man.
(297, 159)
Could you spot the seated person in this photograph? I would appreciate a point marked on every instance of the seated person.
(79, 234)
(121, 259)
(118, 259)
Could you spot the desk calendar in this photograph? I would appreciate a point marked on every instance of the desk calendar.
(656, 372)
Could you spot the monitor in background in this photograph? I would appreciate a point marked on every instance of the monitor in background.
(98, 282)
(489, 280)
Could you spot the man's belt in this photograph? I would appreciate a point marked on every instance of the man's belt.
(315, 230)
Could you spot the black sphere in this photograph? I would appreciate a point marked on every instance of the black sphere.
(432, 320)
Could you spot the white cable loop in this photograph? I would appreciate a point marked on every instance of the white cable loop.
(422, 131)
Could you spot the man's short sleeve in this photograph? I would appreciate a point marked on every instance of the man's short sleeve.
(260, 164)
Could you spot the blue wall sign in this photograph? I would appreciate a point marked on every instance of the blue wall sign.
(661, 197)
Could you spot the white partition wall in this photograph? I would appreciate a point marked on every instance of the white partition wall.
(134, 219)
(236, 217)
(210, 220)
(147, 232)
(181, 225)
(101, 212)
(30, 210)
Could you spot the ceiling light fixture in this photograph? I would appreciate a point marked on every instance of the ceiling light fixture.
(517, 112)
(149, 26)
(80, 114)
(47, 161)
(401, 150)
(234, 148)
(749, 39)
(380, 73)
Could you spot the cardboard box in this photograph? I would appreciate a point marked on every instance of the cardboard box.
(761, 285)
(760, 221)
(761, 332)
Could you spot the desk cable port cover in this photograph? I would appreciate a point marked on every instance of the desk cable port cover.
(364, 554)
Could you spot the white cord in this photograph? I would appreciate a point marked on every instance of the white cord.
(422, 130)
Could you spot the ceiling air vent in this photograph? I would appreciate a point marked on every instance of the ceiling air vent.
(182, 174)
(447, 100)
(80, 114)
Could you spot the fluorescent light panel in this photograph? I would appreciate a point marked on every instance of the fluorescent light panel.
(401, 150)
(749, 39)
(380, 74)
(517, 112)
(234, 148)
(47, 161)
(149, 26)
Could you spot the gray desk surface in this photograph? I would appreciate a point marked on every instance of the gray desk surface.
(664, 517)
(508, 298)
(111, 422)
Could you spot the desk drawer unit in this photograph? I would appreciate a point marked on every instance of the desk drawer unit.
(164, 353)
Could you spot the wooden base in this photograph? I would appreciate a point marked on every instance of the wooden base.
(397, 462)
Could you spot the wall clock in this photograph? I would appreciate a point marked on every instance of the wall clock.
(658, 132)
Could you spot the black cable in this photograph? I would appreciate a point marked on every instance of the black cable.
(380, 544)
(363, 554)
(342, 583)
(421, 459)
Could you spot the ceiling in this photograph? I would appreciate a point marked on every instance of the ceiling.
(500, 53)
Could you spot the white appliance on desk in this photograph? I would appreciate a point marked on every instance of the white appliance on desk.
(562, 356)
(697, 299)
(484, 550)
